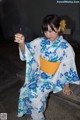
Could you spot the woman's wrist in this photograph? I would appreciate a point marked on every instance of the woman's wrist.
(22, 46)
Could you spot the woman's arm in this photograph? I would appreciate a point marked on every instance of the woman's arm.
(19, 38)
(22, 46)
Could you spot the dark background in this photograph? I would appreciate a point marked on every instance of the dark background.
(28, 15)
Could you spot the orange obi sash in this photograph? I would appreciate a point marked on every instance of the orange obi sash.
(48, 67)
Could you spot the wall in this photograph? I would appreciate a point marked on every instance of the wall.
(28, 14)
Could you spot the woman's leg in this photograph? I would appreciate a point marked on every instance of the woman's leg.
(32, 99)
(38, 95)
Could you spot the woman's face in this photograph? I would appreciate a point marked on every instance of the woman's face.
(51, 35)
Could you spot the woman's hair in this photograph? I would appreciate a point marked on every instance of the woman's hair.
(53, 21)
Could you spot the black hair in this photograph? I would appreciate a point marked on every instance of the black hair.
(52, 21)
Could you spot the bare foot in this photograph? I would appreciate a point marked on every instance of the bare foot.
(66, 90)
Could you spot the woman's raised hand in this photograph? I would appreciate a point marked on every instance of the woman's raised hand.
(19, 38)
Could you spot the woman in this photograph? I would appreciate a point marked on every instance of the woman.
(50, 66)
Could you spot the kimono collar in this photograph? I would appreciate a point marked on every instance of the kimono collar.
(46, 41)
(58, 40)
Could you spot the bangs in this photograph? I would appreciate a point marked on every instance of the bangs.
(52, 27)
(44, 27)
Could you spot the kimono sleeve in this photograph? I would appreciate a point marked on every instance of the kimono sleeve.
(32, 48)
(68, 71)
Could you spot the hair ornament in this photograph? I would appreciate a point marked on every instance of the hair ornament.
(62, 25)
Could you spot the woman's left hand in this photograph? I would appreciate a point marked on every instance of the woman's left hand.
(66, 90)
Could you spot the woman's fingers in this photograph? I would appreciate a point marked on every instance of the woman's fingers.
(67, 91)
(19, 38)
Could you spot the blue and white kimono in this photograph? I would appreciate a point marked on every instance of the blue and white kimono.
(38, 84)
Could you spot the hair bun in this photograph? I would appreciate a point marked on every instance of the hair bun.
(62, 25)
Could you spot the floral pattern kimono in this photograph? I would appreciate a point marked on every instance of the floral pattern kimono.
(38, 84)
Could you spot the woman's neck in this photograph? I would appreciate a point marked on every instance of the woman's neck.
(52, 41)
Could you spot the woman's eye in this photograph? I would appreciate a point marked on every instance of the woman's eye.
(50, 31)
